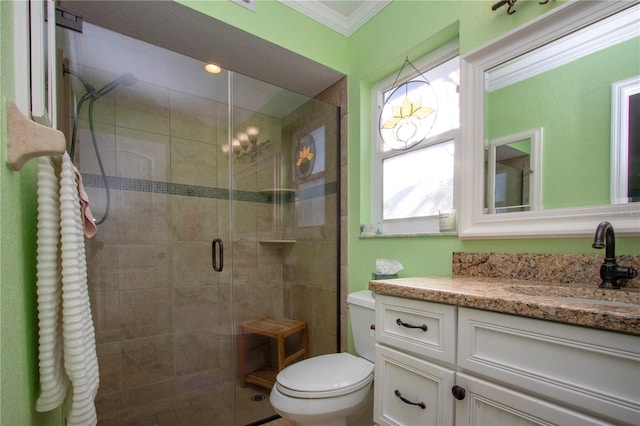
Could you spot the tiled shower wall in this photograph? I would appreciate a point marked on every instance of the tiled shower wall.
(163, 317)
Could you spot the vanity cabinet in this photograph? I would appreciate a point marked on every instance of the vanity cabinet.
(475, 367)
(415, 357)
(486, 403)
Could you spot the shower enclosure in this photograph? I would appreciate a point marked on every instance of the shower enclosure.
(222, 205)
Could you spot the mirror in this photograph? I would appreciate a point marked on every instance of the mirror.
(557, 76)
(625, 148)
(513, 173)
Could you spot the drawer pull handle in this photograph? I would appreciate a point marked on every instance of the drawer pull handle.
(406, 401)
(422, 327)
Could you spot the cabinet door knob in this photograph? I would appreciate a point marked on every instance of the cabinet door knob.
(458, 392)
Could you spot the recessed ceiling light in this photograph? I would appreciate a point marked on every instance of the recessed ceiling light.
(212, 68)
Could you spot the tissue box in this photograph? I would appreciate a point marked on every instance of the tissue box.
(377, 276)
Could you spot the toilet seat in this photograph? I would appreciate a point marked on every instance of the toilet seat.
(325, 376)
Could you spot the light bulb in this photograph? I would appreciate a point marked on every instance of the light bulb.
(212, 68)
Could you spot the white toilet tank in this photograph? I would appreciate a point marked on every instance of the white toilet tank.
(362, 313)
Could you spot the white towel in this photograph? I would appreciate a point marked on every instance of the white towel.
(53, 381)
(61, 236)
(80, 358)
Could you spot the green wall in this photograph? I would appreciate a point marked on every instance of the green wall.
(410, 28)
(18, 314)
(573, 105)
(403, 28)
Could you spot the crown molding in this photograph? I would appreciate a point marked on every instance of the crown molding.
(334, 19)
(601, 35)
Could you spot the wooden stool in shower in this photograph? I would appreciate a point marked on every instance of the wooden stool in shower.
(278, 329)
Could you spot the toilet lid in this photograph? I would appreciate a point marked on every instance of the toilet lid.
(325, 375)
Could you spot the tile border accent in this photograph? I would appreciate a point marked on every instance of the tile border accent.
(158, 187)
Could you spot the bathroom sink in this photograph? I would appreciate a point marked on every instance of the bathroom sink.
(591, 295)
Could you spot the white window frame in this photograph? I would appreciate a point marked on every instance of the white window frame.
(425, 225)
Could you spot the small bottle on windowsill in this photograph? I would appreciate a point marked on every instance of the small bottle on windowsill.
(447, 221)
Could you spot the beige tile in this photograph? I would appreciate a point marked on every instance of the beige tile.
(193, 163)
(85, 151)
(196, 352)
(144, 107)
(198, 383)
(102, 265)
(144, 266)
(195, 219)
(196, 118)
(148, 394)
(208, 409)
(146, 312)
(147, 361)
(191, 264)
(144, 217)
(195, 308)
(183, 375)
(105, 310)
(143, 154)
(108, 407)
(110, 366)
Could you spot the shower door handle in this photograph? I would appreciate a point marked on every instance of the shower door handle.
(217, 255)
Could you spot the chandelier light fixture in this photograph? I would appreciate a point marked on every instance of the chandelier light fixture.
(245, 145)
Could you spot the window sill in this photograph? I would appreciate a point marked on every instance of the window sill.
(416, 234)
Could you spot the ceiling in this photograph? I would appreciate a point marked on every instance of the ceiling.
(344, 16)
(170, 25)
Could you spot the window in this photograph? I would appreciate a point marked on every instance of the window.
(410, 187)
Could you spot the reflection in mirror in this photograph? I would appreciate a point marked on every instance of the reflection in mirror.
(513, 173)
(625, 141)
(516, 83)
(565, 87)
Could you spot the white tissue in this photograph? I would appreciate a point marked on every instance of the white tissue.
(388, 266)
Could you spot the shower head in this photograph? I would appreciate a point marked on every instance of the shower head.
(126, 79)
(88, 87)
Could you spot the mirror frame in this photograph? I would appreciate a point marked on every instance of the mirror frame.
(563, 222)
(535, 190)
(621, 92)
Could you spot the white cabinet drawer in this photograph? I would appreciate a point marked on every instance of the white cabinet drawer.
(423, 328)
(400, 376)
(487, 404)
(593, 371)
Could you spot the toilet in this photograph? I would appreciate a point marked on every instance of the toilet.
(329, 389)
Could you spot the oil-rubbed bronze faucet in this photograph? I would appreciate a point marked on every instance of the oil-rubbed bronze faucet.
(610, 272)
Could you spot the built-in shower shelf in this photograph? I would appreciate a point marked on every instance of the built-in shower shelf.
(277, 241)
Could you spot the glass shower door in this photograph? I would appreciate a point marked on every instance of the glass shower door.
(163, 317)
(186, 182)
(284, 154)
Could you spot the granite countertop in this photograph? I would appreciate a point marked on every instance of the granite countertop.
(613, 310)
